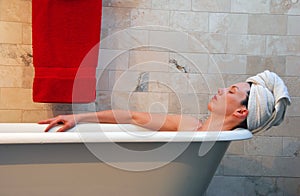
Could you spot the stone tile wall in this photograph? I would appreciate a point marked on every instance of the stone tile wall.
(171, 56)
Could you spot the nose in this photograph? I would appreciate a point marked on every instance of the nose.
(220, 91)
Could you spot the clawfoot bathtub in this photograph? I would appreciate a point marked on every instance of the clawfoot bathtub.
(107, 159)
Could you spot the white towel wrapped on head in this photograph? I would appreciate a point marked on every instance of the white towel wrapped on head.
(267, 103)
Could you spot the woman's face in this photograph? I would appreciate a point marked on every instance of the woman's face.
(228, 100)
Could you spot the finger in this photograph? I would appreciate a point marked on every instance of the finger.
(47, 121)
(52, 124)
(49, 127)
(64, 128)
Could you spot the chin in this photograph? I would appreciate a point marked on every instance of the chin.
(209, 107)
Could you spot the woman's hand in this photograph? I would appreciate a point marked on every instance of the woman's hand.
(68, 122)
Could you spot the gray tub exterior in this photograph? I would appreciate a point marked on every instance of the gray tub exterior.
(37, 163)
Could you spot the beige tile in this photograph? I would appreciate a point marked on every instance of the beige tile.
(168, 82)
(104, 99)
(33, 116)
(222, 185)
(175, 41)
(113, 59)
(10, 32)
(201, 104)
(174, 106)
(293, 65)
(169, 40)
(159, 82)
(283, 45)
(150, 66)
(291, 146)
(18, 98)
(127, 3)
(27, 78)
(172, 4)
(140, 101)
(211, 5)
(27, 35)
(161, 4)
(11, 54)
(288, 128)
(104, 33)
(256, 64)
(285, 7)
(61, 107)
(148, 60)
(65, 108)
(179, 4)
(293, 27)
(228, 23)
(84, 107)
(226, 63)
(188, 103)
(192, 62)
(11, 76)
(189, 21)
(125, 39)
(102, 77)
(264, 146)
(231, 79)
(216, 43)
(267, 24)
(192, 103)
(246, 44)
(239, 165)
(121, 100)
(126, 80)
(261, 185)
(11, 116)
(150, 102)
(295, 8)
(29, 11)
(198, 84)
(214, 82)
(149, 17)
(236, 148)
(290, 186)
(210, 42)
(26, 55)
(280, 6)
(250, 6)
(115, 17)
(201, 42)
(292, 84)
(15, 10)
(294, 110)
(281, 166)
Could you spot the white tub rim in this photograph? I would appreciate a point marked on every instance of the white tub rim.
(32, 133)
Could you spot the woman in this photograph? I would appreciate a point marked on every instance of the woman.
(267, 100)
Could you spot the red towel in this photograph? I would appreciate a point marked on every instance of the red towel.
(63, 34)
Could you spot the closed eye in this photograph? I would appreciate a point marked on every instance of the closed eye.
(233, 89)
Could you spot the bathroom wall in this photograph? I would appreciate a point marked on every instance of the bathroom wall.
(171, 56)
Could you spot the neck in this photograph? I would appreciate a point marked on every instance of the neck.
(217, 123)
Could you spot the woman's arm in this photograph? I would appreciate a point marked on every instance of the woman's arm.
(160, 122)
